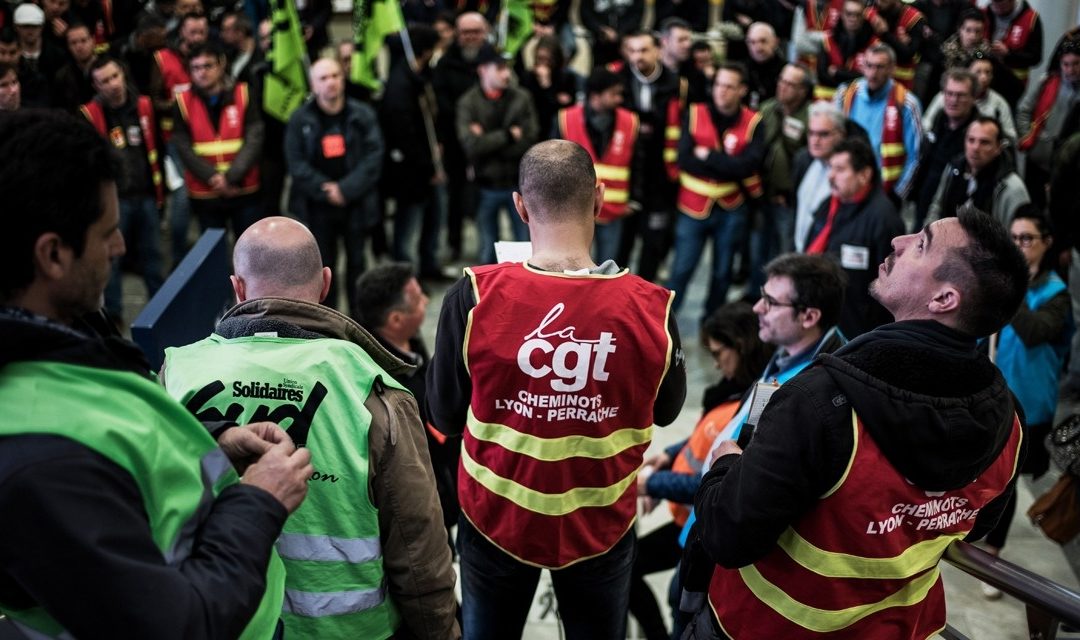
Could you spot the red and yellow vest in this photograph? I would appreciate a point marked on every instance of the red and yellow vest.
(613, 166)
(863, 562)
(1043, 106)
(104, 28)
(565, 370)
(836, 59)
(692, 456)
(698, 194)
(96, 115)
(175, 78)
(544, 10)
(1019, 31)
(904, 73)
(673, 130)
(217, 145)
(822, 21)
(893, 152)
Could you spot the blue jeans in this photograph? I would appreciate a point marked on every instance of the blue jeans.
(179, 212)
(606, 240)
(423, 216)
(775, 235)
(497, 590)
(139, 226)
(487, 221)
(726, 230)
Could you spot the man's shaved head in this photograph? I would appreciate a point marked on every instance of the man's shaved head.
(278, 257)
(558, 181)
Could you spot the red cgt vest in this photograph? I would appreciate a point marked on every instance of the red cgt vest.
(1045, 103)
(175, 78)
(863, 562)
(698, 194)
(565, 370)
(904, 73)
(613, 167)
(893, 152)
(96, 115)
(1019, 31)
(217, 145)
(822, 20)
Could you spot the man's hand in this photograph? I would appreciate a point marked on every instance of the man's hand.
(998, 49)
(218, 183)
(727, 447)
(878, 24)
(516, 133)
(283, 471)
(333, 194)
(245, 445)
(701, 152)
(59, 26)
(609, 34)
(439, 178)
(476, 129)
(659, 461)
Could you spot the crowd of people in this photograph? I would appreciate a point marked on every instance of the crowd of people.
(303, 472)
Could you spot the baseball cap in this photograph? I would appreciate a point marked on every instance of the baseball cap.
(29, 15)
(488, 54)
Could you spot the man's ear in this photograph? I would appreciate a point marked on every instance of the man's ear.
(599, 203)
(811, 316)
(52, 257)
(946, 300)
(327, 277)
(239, 288)
(519, 204)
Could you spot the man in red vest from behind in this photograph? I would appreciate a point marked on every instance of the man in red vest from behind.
(865, 467)
(556, 370)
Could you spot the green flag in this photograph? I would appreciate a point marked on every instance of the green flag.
(515, 25)
(373, 20)
(286, 84)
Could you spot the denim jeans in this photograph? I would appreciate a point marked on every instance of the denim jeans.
(139, 226)
(606, 241)
(726, 229)
(487, 221)
(179, 212)
(497, 590)
(775, 235)
(423, 217)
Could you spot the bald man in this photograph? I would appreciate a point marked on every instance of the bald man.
(764, 61)
(566, 366)
(334, 152)
(367, 555)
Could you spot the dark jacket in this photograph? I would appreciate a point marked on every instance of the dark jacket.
(451, 78)
(939, 410)
(494, 154)
(80, 542)
(363, 155)
(849, 44)
(650, 185)
(860, 240)
(408, 166)
(940, 144)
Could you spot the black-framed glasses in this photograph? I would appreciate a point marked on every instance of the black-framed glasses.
(768, 302)
(1025, 239)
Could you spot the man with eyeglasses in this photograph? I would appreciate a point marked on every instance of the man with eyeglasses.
(943, 135)
(980, 176)
(810, 166)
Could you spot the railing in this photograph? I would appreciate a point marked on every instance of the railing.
(1048, 603)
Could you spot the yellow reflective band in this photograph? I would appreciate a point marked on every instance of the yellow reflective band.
(548, 504)
(916, 558)
(217, 147)
(904, 73)
(611, 172)
(222, 167)
(157, 178)
(672, 133)
(708, 189)
(851, 460)
(891, 173)
(1021, 74)
(892, 149)
(555, 449)
(824, 93)
(671, 155)
(616, 196)
(152, 156)
(825, 620)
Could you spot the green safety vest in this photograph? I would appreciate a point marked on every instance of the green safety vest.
(334, 580)
(130, 420)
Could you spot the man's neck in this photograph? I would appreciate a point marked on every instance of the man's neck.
(805, 342)
(400, 342)
(85, 65)
(956, 123)
(561, 247)
(114, 104)
(670, 61)
(333, 107)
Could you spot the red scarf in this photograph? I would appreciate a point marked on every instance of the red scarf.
(821, 241)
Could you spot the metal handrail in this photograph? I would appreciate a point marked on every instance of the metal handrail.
(1048, 602)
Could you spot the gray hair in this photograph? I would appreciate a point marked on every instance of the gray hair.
(830, 111)
(881, 47)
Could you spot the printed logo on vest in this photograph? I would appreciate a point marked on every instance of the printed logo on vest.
(573, 360)
(205, 403)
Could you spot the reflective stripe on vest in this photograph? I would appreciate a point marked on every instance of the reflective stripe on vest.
(613, 165)
(218, 145)
(548, 450)
(698, 194)
(864, 558)
(331, 545)
(175, 464)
